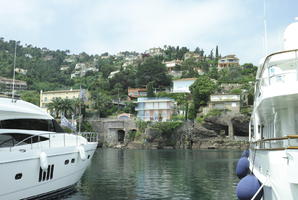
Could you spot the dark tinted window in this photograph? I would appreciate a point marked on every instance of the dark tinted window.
(6, 141)
(11, 139)
(28, 124)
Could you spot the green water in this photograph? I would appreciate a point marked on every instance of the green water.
(159, 174)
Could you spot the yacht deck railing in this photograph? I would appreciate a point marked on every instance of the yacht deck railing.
(281, 143)
(90, 136)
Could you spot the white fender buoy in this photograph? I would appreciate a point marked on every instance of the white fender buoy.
(43, 160)
(82, 153)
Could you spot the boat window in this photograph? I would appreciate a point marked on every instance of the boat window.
(6, 141)
(280, 68)
(252, 130)
(11, 139)
(28, 124)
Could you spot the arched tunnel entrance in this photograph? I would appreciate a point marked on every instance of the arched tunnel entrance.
(121, 136)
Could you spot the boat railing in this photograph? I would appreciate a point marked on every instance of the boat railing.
(90, 136)
(280, 78)
(280, 143)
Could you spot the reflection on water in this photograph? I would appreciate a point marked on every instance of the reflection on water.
(159, 174)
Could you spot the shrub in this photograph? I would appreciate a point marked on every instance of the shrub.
(200, 119)
(246, 111)
(132, 135)
(236, 91)
(141, 125)
(214, 112)
(178, 118)
(86, 127)
(167, 127)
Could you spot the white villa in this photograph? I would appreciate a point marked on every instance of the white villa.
(182, 85)
(155, 109)
(229, 102)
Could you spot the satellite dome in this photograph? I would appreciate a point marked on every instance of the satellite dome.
(291, 36)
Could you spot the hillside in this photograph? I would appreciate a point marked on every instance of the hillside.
(108, 77)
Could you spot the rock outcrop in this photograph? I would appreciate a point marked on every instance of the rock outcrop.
(215, 132)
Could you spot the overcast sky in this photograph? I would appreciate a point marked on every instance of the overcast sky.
(98, 26)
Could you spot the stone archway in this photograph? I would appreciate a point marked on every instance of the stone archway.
(121, 136)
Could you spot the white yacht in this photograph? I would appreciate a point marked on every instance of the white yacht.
(36, 157)
(273, 158)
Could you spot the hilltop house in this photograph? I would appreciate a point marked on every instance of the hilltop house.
(155, 109)
(81, 69)
(134, 93)
(112, 74)
(194, 55)
(21, 71)
(171, 67)
(154, 51)
(8, 84)
(48, 96)
(228, 61)
(229, 102)
(182, 85)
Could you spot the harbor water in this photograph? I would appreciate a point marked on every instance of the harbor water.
(159, 174)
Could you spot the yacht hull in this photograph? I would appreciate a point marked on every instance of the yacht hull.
(23, 178)
(277, 171)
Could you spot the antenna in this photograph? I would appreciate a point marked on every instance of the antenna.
(265, 30)
(14, 71)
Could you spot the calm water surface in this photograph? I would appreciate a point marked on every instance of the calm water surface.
(159, 174)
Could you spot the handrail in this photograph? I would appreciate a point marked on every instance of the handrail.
(30, 137)
(90, 137)
(260, 71)
(283, 146)
(278, 138)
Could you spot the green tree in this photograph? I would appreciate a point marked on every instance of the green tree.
(55, 107)
(30, 96)
(201, 89)
(102, 103)
(152, 70)
(66, 107)
(60, 106)
(150, 90)
(216, 52)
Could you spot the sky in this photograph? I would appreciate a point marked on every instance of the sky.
(98, 26)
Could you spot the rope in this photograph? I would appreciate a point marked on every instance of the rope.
(256, 194)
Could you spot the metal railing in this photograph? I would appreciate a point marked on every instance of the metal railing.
(281, 143)
(90, 137)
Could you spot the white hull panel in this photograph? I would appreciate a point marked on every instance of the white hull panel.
(278, 170)
(31, 183)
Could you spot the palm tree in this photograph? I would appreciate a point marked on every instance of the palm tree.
(66, 107)
(55, 106)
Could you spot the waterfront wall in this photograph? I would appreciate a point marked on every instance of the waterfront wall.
(215, 133)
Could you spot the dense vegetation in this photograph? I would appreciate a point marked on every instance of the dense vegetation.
(134, 70)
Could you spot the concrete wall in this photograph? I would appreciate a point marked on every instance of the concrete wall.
(108, 130)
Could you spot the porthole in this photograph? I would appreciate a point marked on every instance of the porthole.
(88, 156)
(73, 160)
(66, 162)
(18, 176)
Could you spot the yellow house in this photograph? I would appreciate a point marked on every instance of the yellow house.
(48, 96)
